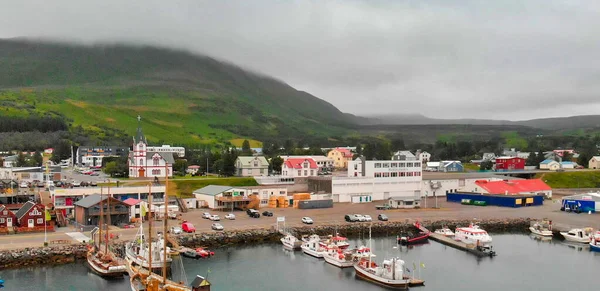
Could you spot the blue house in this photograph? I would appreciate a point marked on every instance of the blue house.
(452, 166)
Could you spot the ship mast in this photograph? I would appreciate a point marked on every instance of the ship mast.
(370, 247)
(166, 199)
(101, 222)
(149, 227)
(107, 221)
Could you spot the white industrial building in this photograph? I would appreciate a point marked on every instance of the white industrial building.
(176, 151)
(379, 180)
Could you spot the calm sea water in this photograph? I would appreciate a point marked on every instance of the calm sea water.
(522, 263)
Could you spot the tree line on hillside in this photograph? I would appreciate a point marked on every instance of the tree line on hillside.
(32, 123)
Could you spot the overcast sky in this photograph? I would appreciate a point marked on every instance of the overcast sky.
(502, 59)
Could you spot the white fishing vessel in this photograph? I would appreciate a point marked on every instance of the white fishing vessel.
(336, 240)
(339, 257)
(444, 231)
(578, 235)
(138, 251)
(473, 235)
(311, 246)
(538, 229)
(389, 274)
(291, 242)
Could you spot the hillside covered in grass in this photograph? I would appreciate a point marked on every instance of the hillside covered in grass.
(182, 98)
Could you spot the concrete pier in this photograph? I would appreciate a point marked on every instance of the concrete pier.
(470, 248)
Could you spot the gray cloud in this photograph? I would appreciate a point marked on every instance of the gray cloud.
(444, 58)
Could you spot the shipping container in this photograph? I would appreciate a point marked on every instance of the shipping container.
(313, 204)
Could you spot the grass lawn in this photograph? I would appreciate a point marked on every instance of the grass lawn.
(470, 167)
(580, 179)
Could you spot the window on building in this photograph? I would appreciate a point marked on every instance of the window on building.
(417, 164)
(393, 174)
(299, 172)
(409, 164)
(386, 175)
(377, 175)
(402, 174)
(40, 221)
(155, 162)
(386, 165)
(377, 165)
(255, 164)
(305, 172)
(355, 166)
(305, 165)
(262, 171)
(1, 220)
(312, 172)
(410, 174)
(141, 162)
(402, 165)
(394, 165)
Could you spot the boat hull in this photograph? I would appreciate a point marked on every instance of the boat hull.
(594, 248)
(312, 252)
(395, 284)
(338, 263)
(540, 232)
(115, 272)
(291, 246)
(414, 240)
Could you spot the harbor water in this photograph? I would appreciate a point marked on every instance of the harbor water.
(523, 262)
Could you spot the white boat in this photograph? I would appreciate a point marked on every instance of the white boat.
(312, 237)
(339, 257)
(595, 242)
(311, 246)
(578, 235)
(291, 242)
(444, 231)
(473, 235)
(137, 252)
(538, 229)
(337, 240)
(389, 274)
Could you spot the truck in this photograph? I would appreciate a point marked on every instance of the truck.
(383, 207)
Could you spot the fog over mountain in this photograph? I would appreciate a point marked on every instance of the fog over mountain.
(505, 60)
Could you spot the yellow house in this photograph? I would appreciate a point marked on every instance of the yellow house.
(594, 162)
(340, 157)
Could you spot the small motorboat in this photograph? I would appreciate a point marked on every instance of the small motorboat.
(595, 242)
(444, 231)
(410, 239)
(578, 235)
(538, 229)
(198, 253)
(291, 242)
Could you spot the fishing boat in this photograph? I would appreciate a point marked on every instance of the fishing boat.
(410, 239)
(389, 274)
(138, 251)
(445, 231)
(473, 234)
(143, 279)
(595, 242)
(578, 235)
(538, 229)
(291, 242)
(336, 240)
(104, 263)
(311, 246)
(339, 257)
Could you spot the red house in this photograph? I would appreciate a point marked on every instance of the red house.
(7, 218)
(509, 163)
(31, 215)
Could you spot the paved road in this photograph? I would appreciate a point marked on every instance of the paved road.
(332, 216)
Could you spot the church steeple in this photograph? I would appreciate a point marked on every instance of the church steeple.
(139, 136)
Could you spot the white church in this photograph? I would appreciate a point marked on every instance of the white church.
(148, 164)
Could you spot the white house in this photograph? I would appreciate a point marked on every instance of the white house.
(226, 197)
(299, 167)
(176, 151)
(9, 161)
(594, 162)
(568, 165)
(379, 180)
(549, 164)
(423, 156)
(323, 162)
(251, 166)
(404, 156)
(144, 163)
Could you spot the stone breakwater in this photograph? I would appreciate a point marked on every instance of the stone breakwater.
(71, 253)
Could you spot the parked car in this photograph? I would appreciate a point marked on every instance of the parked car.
(367, 218)
(172, 215)
(176, 230)
(230, 216)
(216, 226)
(307, 220)
(350, 218)
(188, 227)
(267, 213)
(76, 184)
(215, 218)
(206, 215)
(95, 174)
(382, 217)
(253, 213)
(93, 184)
(359, 217)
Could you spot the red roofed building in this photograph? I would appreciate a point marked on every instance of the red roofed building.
(135, 207)
(513, 187)
(299, 167)
(340, 157)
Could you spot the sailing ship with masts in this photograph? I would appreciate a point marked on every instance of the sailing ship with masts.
(144, 279)
(104, 262)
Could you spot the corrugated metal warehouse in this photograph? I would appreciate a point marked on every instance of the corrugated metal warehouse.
(497, 200)
(582, 202)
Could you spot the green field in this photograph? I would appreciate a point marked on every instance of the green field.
(579, 179)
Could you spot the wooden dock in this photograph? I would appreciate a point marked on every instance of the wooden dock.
(470, 248)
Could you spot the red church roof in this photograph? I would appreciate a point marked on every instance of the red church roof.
(297, 163)
(513, 186)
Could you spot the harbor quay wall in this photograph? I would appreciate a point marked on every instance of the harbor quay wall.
(64, 254)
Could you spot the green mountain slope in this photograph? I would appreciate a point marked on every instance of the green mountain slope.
(182, 98)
